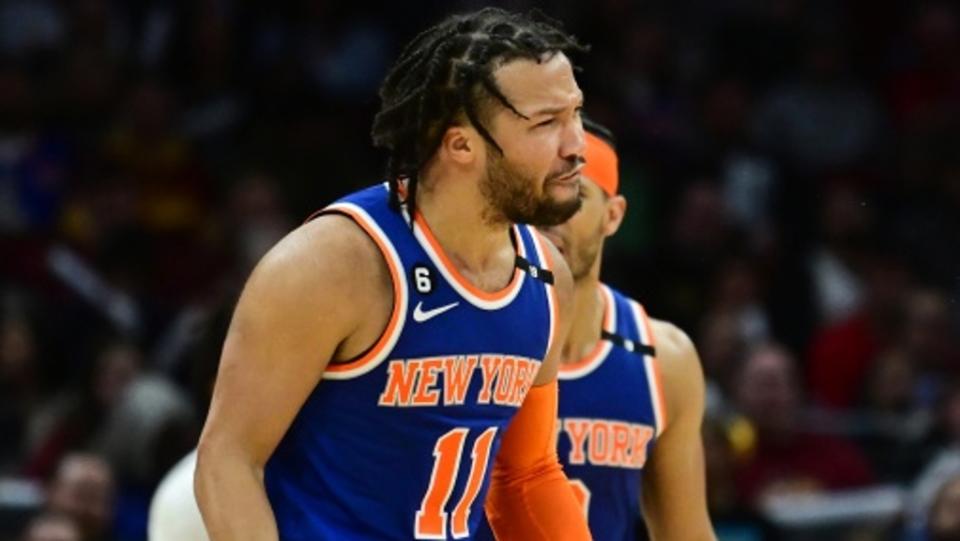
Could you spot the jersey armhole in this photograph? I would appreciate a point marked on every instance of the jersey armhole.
(545, 259)
(383, 346)
(652, 366)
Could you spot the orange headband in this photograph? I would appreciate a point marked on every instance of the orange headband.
(601, 166)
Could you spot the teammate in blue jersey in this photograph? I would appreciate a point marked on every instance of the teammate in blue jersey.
(631, 387)
(391, 364)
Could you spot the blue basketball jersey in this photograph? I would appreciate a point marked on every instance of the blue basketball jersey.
(610, 414)
(398, 443)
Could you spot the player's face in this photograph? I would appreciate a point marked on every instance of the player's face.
(580, 238)
(537, 178)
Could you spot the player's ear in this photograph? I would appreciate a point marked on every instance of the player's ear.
(459, 144)
(614, 211)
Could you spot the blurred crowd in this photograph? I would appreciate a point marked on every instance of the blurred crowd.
(792, 169)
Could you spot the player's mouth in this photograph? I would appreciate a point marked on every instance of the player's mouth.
(573, 177)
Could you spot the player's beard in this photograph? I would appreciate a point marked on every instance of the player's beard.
(512, 196)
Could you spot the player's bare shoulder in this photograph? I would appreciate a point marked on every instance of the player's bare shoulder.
(345, 255)
(328, 266)
(674, 346)
(679, 366)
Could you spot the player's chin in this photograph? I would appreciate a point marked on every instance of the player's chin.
(556, 211)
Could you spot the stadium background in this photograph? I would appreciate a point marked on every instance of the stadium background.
(793, 175)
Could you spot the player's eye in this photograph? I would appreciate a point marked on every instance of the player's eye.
(547, 122)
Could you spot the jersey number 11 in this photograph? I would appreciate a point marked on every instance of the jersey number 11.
(431, 521)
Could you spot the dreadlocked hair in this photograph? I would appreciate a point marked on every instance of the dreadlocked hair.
(444, 75)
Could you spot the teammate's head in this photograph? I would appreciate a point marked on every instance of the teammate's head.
(489, 94)
(580, 239)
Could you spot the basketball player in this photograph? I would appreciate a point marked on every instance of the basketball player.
(631, 387)
(379, 352)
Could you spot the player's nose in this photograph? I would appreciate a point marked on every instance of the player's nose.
(574, 142)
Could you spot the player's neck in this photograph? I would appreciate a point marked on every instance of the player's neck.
(454, 214)
(587, 319)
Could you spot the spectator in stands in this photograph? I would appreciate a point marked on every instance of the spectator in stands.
(927, 337)
(918, 90)
(945, 465)
(721, 346)
(944, 519)
(156, 161)
(825, 117)
(33, 165)
(83, 489)
(52, 527)
(738, 292)
(699, 240)
(895, 425)
(731, 517)
(841, 355)
(256, 219)
(76, 418)
(891, 386)
(788, 457)
(19, 387)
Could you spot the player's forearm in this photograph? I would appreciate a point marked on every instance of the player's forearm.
(537, 504)
(530, 497)
(232, 498)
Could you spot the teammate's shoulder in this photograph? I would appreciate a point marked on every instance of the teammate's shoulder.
(677, 359)
(682, 380)
(675, 350)
(671, 340)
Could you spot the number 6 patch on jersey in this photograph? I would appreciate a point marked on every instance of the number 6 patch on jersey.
(422, 279)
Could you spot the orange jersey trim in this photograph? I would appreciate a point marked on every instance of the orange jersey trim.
(653, 366)
(455, 274)
(546, 259)
(388, 337)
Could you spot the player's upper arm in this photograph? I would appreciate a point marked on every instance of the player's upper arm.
(306, 298)
(563, 286)
(674, 488)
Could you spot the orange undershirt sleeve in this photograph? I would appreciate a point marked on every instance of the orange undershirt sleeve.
(530, 498)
